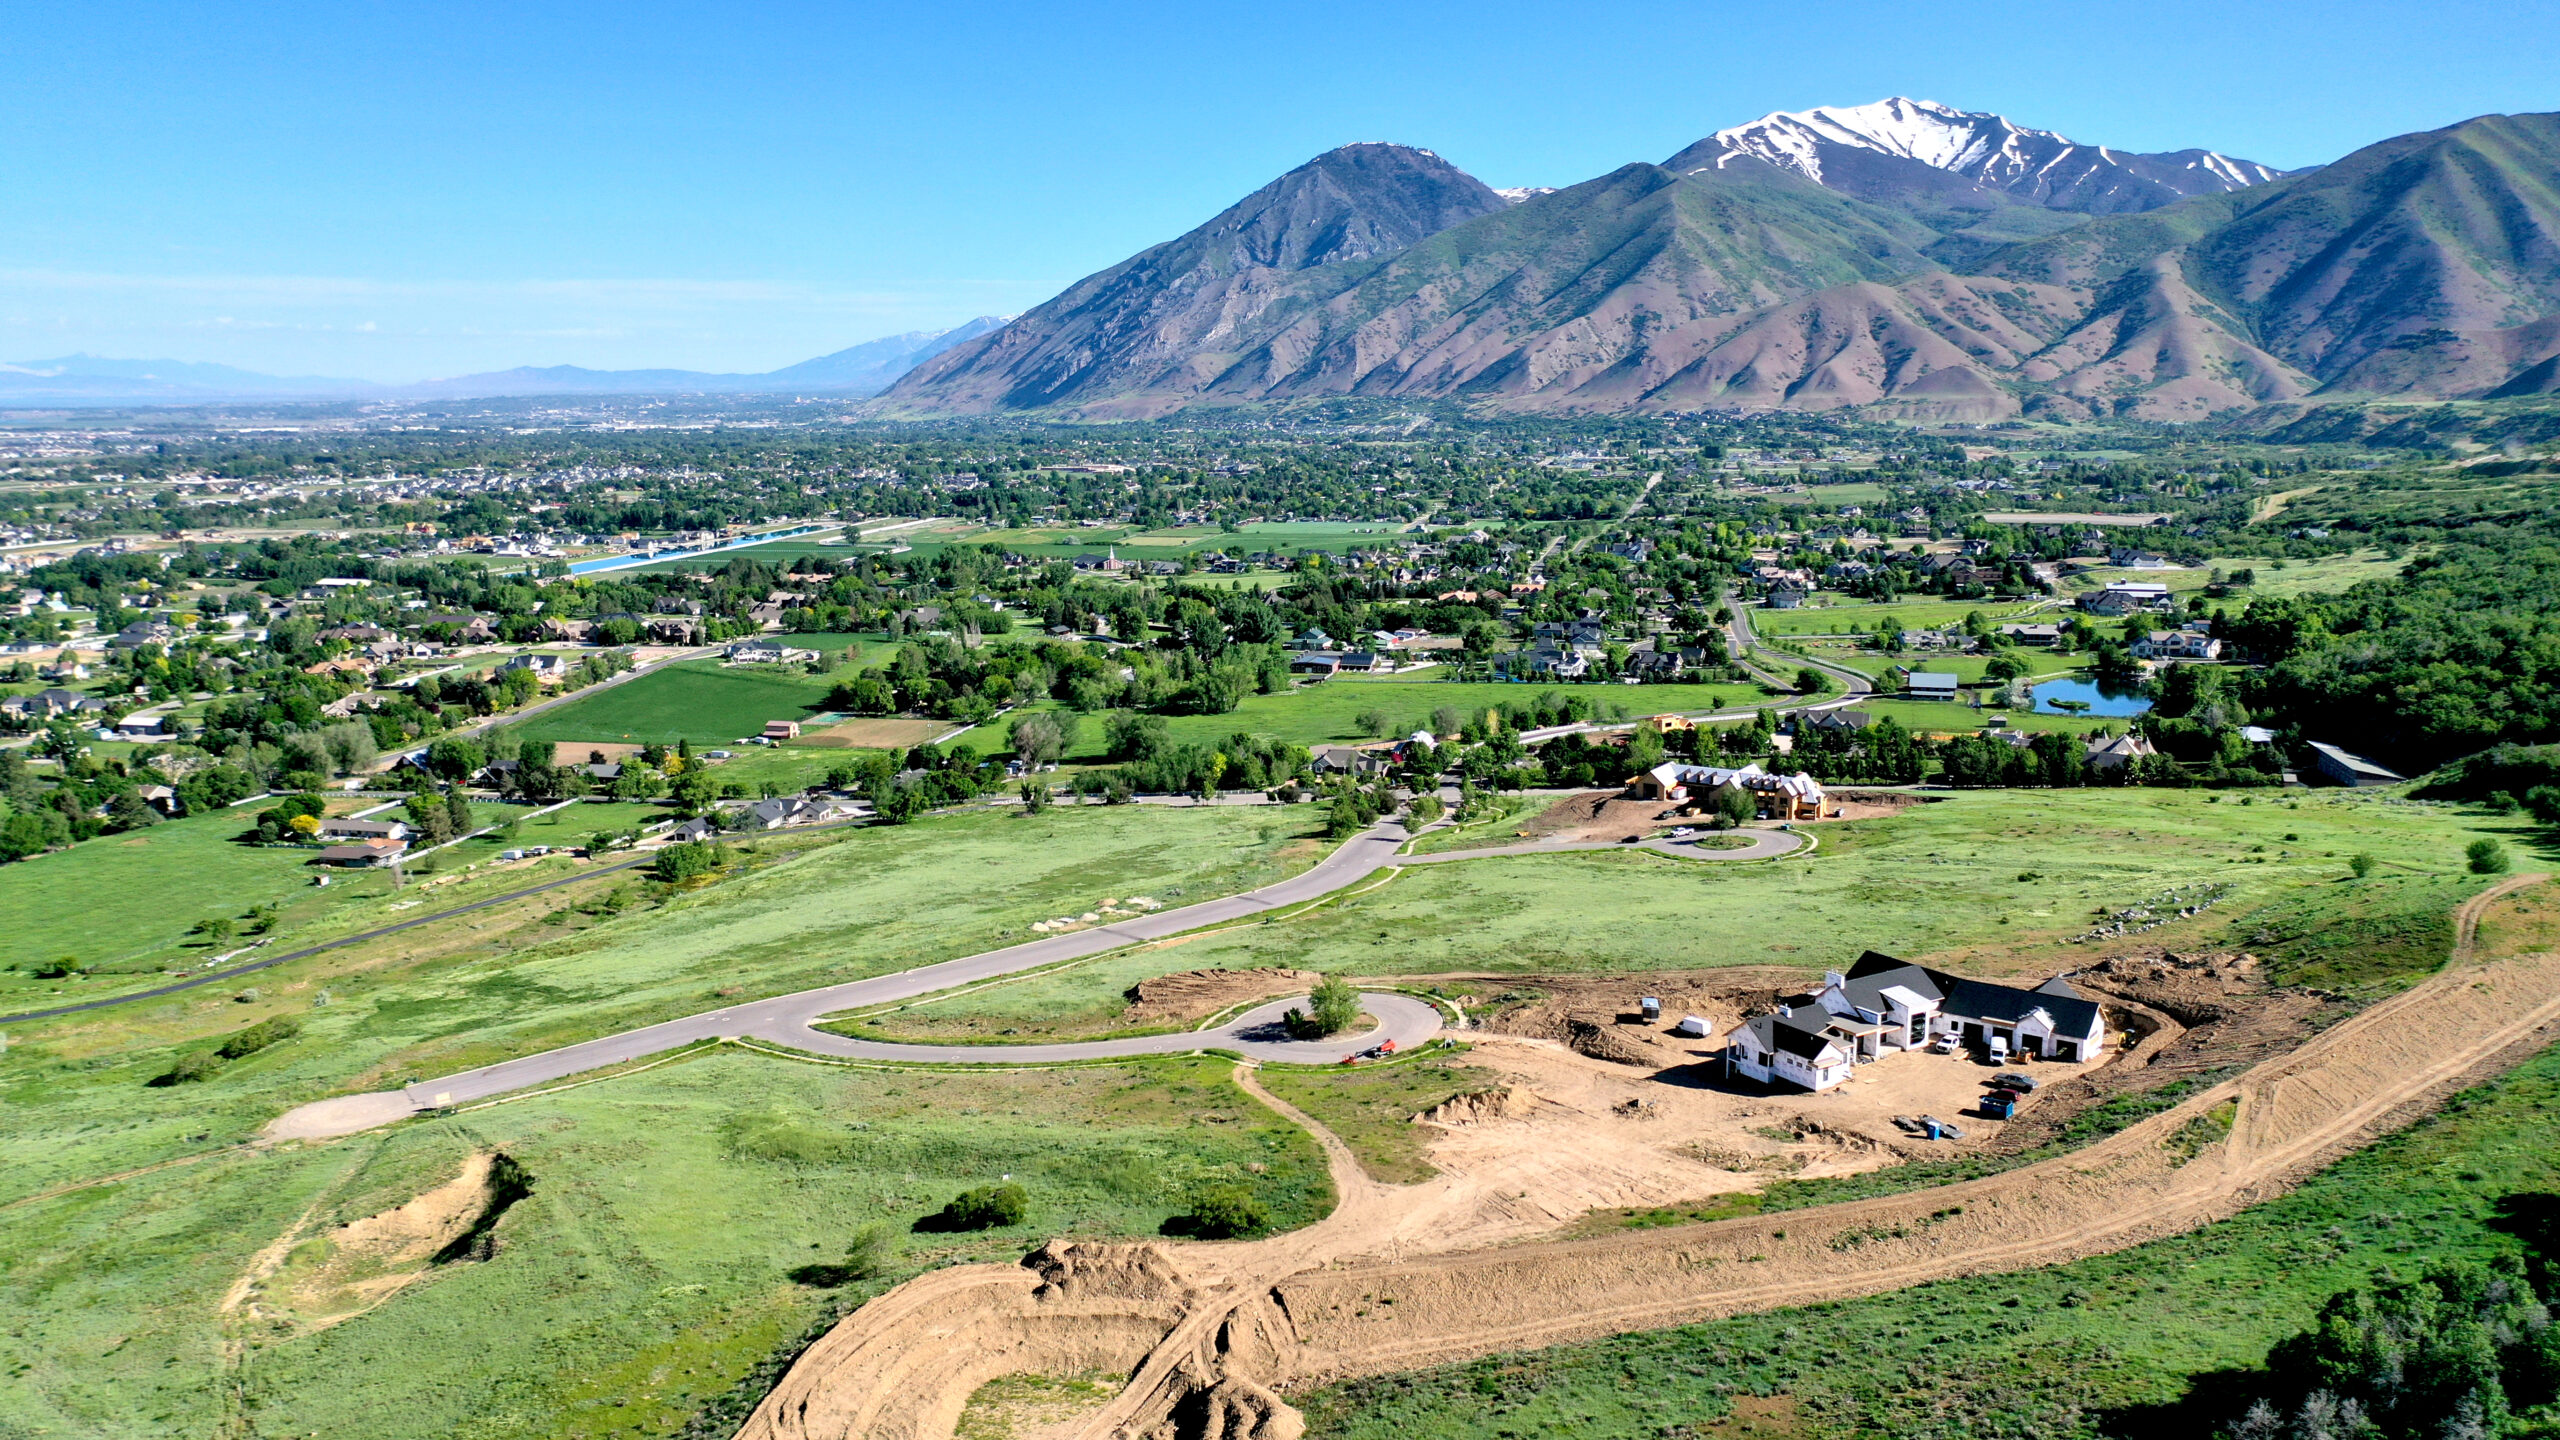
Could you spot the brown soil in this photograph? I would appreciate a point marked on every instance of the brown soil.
(878, 734)
(1605, 815)
(1199, 994)
(1211, 1332)
(1868, 804)
(306, 1283)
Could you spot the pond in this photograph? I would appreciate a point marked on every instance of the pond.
(2099, 702)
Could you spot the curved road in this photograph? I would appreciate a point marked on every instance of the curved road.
(791, 1019)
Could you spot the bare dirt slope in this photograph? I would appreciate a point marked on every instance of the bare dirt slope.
(1212, 1333)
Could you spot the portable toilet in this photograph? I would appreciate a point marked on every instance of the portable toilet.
(1693, 1027)
(1652, 1008)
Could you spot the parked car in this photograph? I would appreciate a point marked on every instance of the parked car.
(1943, 1045)
(2014, 1081)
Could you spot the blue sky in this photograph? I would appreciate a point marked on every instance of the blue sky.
(395, 191)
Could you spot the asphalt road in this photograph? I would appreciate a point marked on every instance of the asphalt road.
(791, 1019)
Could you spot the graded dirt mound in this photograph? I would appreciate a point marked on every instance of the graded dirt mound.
(1199, 994)
(1507, 1103)
(1604, 1041)
(903, 1367)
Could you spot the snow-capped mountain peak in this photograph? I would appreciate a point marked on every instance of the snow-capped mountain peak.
(1995, 153)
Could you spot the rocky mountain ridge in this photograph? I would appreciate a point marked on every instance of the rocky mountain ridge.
(1907, 256)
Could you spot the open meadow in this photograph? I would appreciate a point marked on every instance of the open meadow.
(1988, 882)
(805, 910)
(680, 1227)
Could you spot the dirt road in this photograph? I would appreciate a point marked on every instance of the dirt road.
(1238, 1323)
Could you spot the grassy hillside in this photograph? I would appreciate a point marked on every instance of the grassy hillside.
(576, 964)
(664, 1253)
(1991, 882)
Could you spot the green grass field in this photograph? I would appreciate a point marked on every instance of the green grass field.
(651, 1269)
(864, 902)
(2145, 1342)
(1329, 712)
(1371, 1107)
(1827, 614)
(124, 903)
(1989, 881)
(697, 700)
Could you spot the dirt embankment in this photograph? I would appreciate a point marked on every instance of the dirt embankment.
(1599, 1015)
(1199, 994)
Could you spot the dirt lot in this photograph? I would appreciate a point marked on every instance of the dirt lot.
(1608, 815)
(886, 733)
(1199, 994)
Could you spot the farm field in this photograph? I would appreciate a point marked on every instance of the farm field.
(678, 1233)
(575, 964)
(2151, 1341)
(697, 700)
(121, 905)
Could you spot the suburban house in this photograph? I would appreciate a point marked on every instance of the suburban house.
(1929, 685)
(377, 851)
(2127, 597)
(349, 828)
(2041, 636)
(542, 667)
(1318, 663)
(1775, 797)
(2118, 751)
(766, 652)
(782, 729)
(1786, 597)
(1346, 760)
(2177, 645)
(1884, 1004)
(2350, 769)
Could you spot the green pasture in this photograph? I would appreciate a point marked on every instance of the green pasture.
(2157, 1340)
(675, 1240)
(1827, 614)
(1992, 881)
(1329, 711)
(697, 700)
(578, 963)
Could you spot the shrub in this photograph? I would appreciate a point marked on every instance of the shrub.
(2487, 857)
(259, 1036)
(1219, 1212)
(984, 1208)
(1332, 1007)
(2361, 864)
(190, 1067)
(683, 861)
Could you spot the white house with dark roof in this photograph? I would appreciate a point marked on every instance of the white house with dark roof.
(1884, 1004)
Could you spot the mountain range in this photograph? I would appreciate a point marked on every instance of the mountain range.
(1904, 255)
(861, 370)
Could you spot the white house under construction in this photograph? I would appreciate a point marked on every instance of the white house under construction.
(1884, 1004)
